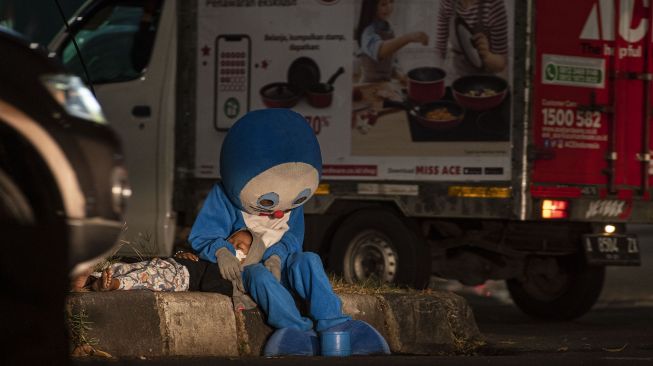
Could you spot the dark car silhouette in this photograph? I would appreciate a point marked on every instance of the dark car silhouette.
(63, 192)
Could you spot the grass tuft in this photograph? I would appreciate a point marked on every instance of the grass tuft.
(143, 247)
(370, 286)
(80, 326)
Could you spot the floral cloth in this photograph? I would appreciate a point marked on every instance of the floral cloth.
(157, 274)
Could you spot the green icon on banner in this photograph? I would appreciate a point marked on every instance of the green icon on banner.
(579, 75)
(584, 72)
(231, 108)
(550, 72)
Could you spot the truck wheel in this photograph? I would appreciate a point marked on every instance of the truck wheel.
(377, 244)
(557, 288)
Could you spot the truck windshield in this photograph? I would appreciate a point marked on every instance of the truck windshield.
(115, 41)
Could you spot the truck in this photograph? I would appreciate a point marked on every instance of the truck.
(522, 160)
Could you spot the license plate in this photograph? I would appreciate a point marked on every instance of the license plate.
(618, 250)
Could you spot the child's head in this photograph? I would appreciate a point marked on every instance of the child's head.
(241, 240)
(371, 10)
(384, 9)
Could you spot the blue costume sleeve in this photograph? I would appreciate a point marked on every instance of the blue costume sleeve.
(215, 222)
(293, 240)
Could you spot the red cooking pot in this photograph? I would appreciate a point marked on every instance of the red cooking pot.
(320, 95)
(279, 95)
(426, 84)
(479, 92)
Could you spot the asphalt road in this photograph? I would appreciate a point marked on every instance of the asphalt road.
(605, 332)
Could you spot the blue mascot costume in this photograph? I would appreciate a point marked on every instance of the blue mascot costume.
(270, 166)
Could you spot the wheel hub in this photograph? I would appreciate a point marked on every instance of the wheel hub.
(545, 279)
(371, 255)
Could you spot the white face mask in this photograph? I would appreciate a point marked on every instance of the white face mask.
(279, 189)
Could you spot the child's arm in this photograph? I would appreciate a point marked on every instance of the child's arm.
(391, 46)
(378, 49)
(213, 225)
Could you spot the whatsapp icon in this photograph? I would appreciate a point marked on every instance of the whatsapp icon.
(550, 72)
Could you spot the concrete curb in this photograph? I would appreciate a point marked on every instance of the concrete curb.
(151, 324)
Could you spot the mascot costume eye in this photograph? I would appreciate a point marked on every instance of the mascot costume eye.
(270, 165)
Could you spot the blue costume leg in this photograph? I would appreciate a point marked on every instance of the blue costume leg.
(293, 335)
(305, 275)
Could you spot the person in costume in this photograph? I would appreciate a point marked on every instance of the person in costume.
(270, 165)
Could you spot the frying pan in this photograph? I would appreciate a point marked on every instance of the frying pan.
(320, 95)
(464, 34)
(467, 91)
(279, 95)
(419, 113)
(302, 74)
(426, 84)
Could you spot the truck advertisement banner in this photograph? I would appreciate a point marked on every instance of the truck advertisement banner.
(592, 76)
(394, 90)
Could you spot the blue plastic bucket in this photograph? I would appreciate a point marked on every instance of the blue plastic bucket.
(335, 344)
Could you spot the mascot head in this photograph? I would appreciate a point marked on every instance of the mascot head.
(270, 162)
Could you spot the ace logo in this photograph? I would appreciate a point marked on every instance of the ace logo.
(603, 11)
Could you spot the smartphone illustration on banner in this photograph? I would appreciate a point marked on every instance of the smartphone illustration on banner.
(232, 79)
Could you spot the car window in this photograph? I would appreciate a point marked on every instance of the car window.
(115, 42)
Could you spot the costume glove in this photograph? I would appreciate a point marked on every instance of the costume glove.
(273, 264)
(229, 267)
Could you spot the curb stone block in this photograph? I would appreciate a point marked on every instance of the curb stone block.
(367, 308)
(144, 323)
(197, 324)
(451, 325)
(254, 332)
(124, 323)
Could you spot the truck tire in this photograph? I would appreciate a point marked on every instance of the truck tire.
(378, 245)
(557, 288)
